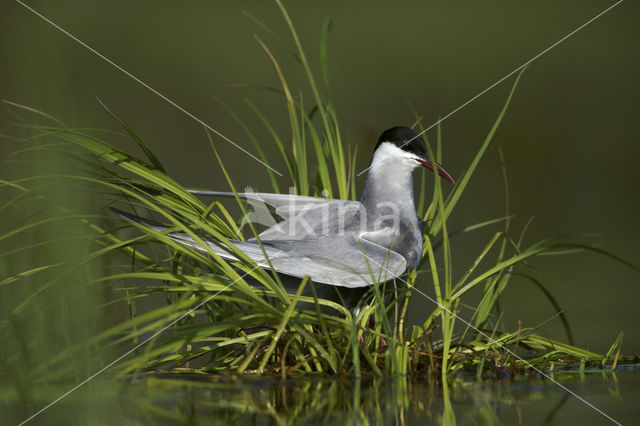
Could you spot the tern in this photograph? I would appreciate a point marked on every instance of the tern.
(338, 243)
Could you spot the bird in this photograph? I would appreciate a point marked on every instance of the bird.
(343, 246)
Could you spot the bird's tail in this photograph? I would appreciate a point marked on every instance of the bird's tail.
(252, 250)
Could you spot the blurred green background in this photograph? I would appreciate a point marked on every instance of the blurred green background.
(569, 138)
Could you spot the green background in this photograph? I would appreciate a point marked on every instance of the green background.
(569, 138)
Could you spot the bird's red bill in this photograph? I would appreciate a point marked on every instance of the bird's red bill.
(441, 171)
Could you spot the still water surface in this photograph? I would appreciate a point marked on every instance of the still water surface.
(226, 400)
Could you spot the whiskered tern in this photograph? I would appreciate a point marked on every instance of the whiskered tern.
(351, 244)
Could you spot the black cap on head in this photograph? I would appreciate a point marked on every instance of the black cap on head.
(409, 141)
(400, 136)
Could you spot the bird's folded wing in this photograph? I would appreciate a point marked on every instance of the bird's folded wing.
(343, 260)
(316, 221)
(286, 205)
(324, 260)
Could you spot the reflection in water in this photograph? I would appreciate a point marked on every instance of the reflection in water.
(160, 399)
(378, 401)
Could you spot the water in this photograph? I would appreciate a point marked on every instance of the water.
(227, 400)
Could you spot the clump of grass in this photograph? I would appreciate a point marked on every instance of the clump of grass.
(196, 312)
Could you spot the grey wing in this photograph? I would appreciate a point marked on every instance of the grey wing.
(286, 205)
(329, 260)
(339, 260)
(343, 266)
(316, 221)
(343, 260)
